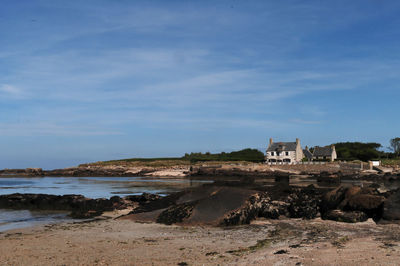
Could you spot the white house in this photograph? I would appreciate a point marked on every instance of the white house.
(284, 152)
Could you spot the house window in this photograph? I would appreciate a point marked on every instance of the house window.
(272, 153)
(287, 153)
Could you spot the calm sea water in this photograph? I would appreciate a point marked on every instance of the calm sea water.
(91, 187)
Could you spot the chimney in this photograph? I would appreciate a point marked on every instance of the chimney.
(270, 141)
(297, 141)
(333, 147)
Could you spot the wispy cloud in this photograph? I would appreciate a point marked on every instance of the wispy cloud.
(52, 129)
(10, 90)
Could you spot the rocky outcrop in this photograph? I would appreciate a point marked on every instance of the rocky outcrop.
(144, 198)
(248, 212)
(274, 209)
(224, 204)
(348, 217)
(304, 203)
(391, 207)
(333, 198)
(77, 205)
(372, 205)
(227, 205)
(176, 213)
(353, 199)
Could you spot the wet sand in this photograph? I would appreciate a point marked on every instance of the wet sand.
(264, 242)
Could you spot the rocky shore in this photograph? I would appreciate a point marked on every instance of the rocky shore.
(332, 172)
(228, 204)
(231, 221)
(223, 205)
(214, 225)
(78, 206)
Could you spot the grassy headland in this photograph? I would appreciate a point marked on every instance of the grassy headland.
(242, 156)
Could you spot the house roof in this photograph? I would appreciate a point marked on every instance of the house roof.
(282, 146)
(307, 154)
(323, 151)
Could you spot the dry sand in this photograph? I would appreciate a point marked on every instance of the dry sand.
(124, 242)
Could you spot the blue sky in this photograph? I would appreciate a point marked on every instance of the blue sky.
(83, 81)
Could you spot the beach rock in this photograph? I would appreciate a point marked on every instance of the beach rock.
(176, 213)
(365, 202)
(246, 213)
(274, 209)
(143, 198)
(333, 198)
(304, 203)
(350, 192)
(79, 206)
(391, 207)
(223, 206)
(206, 205)
(34, 171)
(372, 205)
(348, 217)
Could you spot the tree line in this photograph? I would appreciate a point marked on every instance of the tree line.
(250, 155)
(367, 151)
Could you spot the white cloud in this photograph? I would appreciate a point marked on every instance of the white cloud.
(10, 90)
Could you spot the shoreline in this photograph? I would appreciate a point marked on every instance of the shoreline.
(263, 227)
(215, 170)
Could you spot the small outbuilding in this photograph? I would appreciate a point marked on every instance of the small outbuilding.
(308, 154)
(327, 153)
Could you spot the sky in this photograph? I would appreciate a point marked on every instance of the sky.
(83, 81)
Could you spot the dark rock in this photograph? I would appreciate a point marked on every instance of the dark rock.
(282, 178)
(79, 206)
(304, 203)
(226, 205)
(143, 198)
(274, 209)
(249, 211)
(348, 217)
(374, 185)
(282, 251)
(350, 192)
(367, 200)
(391, 207)
(34, 171)
(333, 198)
(147, 204)
(176, 213)
(372, 205)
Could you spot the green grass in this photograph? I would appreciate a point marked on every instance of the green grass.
(391, 162)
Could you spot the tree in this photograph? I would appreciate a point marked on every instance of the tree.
(357, 151)
(395, 145)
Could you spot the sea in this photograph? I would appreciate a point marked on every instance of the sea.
(90, 187)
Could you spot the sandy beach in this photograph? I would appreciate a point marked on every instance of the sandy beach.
(264, 242)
